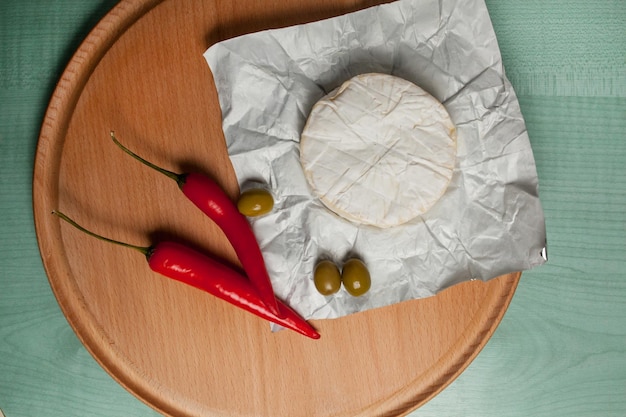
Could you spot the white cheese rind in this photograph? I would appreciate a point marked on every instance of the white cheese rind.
(378, 150)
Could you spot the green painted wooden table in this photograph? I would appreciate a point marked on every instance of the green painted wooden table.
(561, 348)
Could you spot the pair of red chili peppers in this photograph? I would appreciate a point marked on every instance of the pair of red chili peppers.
(253, 293)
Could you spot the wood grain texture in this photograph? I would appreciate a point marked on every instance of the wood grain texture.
(559, 351)
(564, 48)
(44, 369)
(561, 348)
(175, 348)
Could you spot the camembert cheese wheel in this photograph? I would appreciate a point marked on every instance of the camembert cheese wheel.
(378, 150)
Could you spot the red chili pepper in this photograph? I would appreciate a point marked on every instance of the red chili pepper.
(193, 268)
(213, 201)
(188, 266)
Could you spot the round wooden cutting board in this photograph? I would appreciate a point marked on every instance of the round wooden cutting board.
(141, 73)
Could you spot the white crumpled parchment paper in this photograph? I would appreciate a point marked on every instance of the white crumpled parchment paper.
(489, 221)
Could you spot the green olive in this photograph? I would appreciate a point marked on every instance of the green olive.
(255, 202)
(356, 277)
(327, 278)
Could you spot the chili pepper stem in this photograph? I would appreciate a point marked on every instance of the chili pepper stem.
(145, 250)
(179, 178)
(209, 197)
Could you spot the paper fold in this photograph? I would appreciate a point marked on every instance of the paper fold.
(489, 221)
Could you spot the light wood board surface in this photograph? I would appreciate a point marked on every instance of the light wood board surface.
(141, 73)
